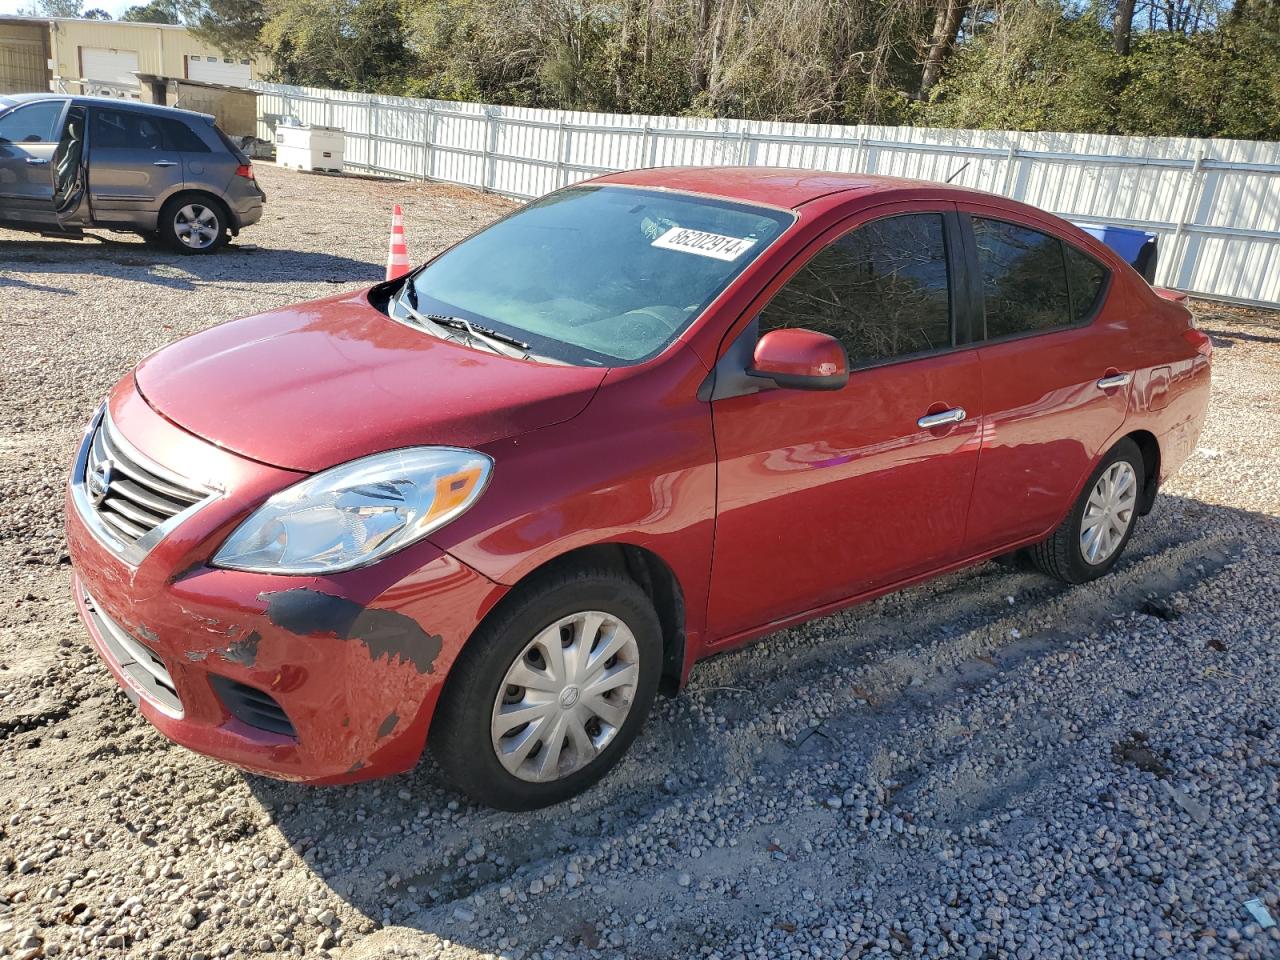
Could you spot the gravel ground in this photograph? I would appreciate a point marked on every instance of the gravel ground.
(991, 765)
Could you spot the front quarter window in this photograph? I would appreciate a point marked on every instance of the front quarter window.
(603, 276)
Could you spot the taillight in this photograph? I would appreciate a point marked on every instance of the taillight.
(245, 170)
(1201, 341)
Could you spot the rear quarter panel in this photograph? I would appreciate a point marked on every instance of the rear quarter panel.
(1170, 392)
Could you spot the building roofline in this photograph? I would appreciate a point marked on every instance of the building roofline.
(21, 18)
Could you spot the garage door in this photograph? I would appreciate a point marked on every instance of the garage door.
(22, 66)
(109, 66)
(234, 73)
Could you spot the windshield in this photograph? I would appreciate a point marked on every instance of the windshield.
(603, 276)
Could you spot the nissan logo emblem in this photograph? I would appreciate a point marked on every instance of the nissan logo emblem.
(99, 481)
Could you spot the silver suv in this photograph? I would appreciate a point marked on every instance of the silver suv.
(67, 163)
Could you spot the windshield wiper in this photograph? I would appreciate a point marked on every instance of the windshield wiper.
(443, 327)
(479, 332)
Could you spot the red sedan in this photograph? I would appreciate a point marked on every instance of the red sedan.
(494, 507)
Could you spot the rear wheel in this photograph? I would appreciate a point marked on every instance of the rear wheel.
(193, 224)
(548, 695)
(1091, 539)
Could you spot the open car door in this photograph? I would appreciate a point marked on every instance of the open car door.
(71, 172)
(28, 141)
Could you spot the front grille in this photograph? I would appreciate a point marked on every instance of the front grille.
(129, 496)
(136, 660)
(252, 706)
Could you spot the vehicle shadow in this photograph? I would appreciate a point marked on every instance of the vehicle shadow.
(150, 262)
(407, 852)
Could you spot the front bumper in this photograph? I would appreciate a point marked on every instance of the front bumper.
(318, 679)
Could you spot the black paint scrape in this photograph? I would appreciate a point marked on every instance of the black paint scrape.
(385, 632)
(243, 652)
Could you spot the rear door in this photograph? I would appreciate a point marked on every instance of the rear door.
(823, 496)
(28, 140)
(1056, 384)
(132, 167)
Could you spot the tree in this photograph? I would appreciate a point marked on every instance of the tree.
(349, 44)
(157, 11)
(97, 13)
(232, 26)
(946, 29)
(1122, 27)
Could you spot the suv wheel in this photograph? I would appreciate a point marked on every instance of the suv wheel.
(547, 696)
(193, 225)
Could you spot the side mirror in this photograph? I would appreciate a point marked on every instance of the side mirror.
(801, 360)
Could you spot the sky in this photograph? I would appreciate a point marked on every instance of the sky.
(113, 7)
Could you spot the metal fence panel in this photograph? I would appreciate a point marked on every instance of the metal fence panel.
(1215, 204)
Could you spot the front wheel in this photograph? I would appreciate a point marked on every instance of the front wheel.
(193, 225)
(1091, 539)
(547, 696)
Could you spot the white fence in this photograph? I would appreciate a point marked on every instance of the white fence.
(1215, 204)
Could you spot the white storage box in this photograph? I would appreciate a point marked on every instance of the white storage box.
(310, 148)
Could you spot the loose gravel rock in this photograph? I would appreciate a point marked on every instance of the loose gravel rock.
(990, 765)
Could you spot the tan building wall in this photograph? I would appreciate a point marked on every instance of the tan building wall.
(161, 50)
(24, 52)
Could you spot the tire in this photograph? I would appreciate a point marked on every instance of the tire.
(1066, 553)
(472, 726)
(209, 216)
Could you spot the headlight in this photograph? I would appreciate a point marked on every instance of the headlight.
(357, 513)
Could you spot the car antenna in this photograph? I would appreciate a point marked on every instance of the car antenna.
(958, 172)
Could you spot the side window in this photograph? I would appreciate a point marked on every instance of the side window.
(882, 290)
(1086, 277)
(178, 136)
(124, 130)
(1024, 280)
(33, 123)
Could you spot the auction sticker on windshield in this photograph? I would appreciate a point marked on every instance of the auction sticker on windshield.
(704, 244)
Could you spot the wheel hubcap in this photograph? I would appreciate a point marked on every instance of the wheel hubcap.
(1108, 512)
(566, 696)
(196, 226)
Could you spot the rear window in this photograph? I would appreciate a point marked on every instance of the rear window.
(178, 136)
(124, 130)
(230, 145)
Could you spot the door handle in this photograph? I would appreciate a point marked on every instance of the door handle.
(931, 420)
(1115, 380)
(165, 163)
(37, 161)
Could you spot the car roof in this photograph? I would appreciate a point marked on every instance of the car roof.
(786, 187)
(11, 99)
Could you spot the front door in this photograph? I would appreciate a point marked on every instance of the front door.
(823, 496)
(28, 141)
(132, 167)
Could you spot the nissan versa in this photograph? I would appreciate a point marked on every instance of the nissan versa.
(493, 507)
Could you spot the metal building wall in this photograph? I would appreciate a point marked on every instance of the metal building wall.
(1215, 204)
(23, 58)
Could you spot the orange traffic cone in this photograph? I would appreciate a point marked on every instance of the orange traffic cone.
(398, 255)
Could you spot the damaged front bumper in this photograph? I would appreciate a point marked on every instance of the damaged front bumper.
(318, 679)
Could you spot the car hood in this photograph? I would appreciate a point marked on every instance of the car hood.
(316, 384)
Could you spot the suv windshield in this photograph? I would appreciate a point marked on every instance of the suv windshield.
(602, 276)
